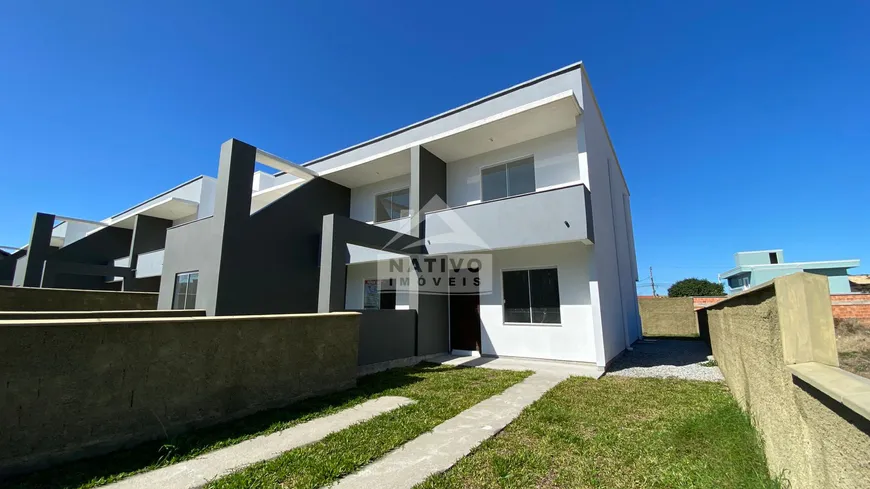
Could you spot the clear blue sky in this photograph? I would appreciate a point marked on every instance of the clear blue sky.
(739, 127)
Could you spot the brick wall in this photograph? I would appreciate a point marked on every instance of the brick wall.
(851, 306)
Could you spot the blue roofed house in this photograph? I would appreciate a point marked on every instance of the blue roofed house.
(756, 267)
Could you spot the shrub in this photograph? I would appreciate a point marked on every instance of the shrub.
(694, 287)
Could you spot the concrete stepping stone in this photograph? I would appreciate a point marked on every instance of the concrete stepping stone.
(201, 470)
(439, 449)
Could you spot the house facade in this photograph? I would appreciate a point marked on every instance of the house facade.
(757, 267)
(524, 184)
(527, 177)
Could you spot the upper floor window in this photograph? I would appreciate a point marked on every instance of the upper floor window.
(392, 205)
(508, 179)
(185, 290)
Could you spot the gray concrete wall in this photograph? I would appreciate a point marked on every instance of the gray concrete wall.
(193, 246)
(812, 438)
(511, 222)
(78, 388)
(387, 334)
(668, 316)
(100, 248)
(44, 299)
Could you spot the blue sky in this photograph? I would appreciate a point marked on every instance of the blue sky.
(738, 126)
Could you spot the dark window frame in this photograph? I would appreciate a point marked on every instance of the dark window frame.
(532, 313)
(392, 204)
(391, 296)
(507, 165)
(189, 300)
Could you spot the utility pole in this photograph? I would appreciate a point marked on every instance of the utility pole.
(653, 282)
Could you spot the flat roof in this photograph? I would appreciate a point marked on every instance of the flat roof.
(442, 115)
(804, 265)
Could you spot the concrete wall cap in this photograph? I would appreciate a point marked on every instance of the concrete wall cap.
(851, 390)
(192, 319)
(83, 291)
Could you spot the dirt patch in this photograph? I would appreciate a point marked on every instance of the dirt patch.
(853, 345)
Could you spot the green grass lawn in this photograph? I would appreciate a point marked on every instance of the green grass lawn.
(441, 392)
(620, 433)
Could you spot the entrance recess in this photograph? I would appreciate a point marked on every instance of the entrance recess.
(465, 317)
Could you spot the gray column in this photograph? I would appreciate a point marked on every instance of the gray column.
(333, 268)
(37, 251)
(232, 211)
(428, 187)
(149, 234)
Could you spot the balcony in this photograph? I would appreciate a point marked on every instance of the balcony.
(546, 217)
(150, 264)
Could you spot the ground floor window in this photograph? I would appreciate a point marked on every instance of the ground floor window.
(377, 295)
(185, 290)
(531, 296)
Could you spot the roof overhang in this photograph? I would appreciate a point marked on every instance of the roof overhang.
(539, 118)
(807, 265)
(169, 208)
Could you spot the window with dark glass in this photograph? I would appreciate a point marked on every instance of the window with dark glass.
(378, 295)
(507, 180)
(531, 296)
(392, 205)
(185, 290)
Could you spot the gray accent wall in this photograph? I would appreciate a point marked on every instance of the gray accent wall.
(149, 234)
(261, 263)
(428, 187)
(87, 262)
(28, 271)
(387, 334)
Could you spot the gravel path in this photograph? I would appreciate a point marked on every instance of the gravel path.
(666, 358)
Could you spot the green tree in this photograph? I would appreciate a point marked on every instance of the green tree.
(694, 287)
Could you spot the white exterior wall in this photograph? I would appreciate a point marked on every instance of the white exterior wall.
(555, 165)
(614, 298)
(574, 339)
(362, 199)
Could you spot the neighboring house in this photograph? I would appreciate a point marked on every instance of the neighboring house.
(757, 267)
(527, 176)
(122, 252)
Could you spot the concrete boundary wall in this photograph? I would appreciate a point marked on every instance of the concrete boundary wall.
(78, 388)
(775, 344)
(668, 316)
(45, 299)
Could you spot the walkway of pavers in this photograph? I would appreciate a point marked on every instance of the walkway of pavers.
(207, 467)
(440, 449)
(404, 467)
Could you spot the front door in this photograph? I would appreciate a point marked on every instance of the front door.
(465, 321)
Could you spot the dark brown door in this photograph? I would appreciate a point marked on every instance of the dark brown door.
(465, 321)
